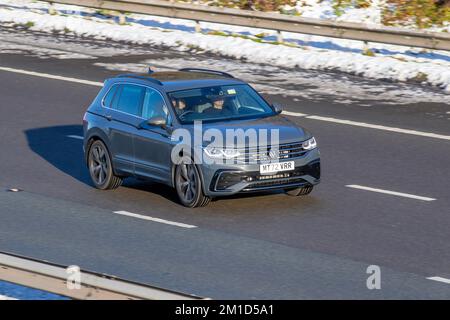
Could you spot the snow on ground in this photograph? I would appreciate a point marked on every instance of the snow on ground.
(323, 9)
(61, 46)
(296, 84)
(390, 62)
(309, 86)
(43, 53)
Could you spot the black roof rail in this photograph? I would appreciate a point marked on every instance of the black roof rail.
(137, 76)
(207, 71)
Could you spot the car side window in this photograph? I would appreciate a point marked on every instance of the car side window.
(154, 105)
(129, 99)
(107, 101)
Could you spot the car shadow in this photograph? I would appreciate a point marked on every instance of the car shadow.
(59, 146)
(62, 147)
(159, 189)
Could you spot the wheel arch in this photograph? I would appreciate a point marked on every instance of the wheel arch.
(93, 136)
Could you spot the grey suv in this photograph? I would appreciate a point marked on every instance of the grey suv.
(132, 127)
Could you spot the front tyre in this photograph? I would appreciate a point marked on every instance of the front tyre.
(100, 167)
(302, 191)
(189, 186)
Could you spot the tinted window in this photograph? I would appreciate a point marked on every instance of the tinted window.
(109, 97)
(154, 105)
(219, 103)
(129, 99)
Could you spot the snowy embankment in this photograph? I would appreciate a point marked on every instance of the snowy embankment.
(390, 62)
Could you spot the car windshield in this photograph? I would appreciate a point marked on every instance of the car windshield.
(219, 103)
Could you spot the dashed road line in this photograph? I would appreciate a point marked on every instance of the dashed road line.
(52, 76)
(440, 279)
(173, 223)
(394, 193)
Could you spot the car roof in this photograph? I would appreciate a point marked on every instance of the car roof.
(181, 80)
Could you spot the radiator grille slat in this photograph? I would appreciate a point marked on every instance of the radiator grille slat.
(263, 154)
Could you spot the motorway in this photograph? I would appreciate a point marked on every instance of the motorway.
(391, 142)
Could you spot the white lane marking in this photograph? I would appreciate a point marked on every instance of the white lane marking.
(440, 279)
(289, 113)
(369, 125)
(380, 127)
(134, 215)
(51, 76)
(394, 193)
(294, 114)
(2, 297)
(75, 137)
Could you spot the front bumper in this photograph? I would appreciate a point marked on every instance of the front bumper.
(230, 180)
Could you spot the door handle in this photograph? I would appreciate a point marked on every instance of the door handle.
(108, 117)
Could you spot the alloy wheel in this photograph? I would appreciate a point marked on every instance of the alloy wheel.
(188, 183)
(98, 165)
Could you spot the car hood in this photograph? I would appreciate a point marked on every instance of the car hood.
(288, 130)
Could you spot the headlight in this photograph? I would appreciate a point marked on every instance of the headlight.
(215, 152)
(309, 144)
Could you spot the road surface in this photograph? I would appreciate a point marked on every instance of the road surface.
(384, 197)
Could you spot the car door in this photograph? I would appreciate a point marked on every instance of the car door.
(124, 115)
(152, 144)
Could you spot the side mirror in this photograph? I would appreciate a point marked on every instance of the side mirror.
(157, 122)
(277, 107)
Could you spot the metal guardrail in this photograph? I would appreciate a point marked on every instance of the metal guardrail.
(53, 278)
(273, 21)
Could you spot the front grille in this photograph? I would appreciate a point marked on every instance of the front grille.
(275, 183)
(226, 179)
(263, 154)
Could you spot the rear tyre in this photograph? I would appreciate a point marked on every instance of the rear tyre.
(188, 184)
(303, 191)
(100, 167)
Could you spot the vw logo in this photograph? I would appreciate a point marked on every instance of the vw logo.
(273, 154)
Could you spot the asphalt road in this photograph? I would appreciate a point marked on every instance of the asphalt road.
(267, 246)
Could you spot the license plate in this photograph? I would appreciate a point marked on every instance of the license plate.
(276, 167)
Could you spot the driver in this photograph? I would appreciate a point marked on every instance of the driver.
(179, 104)
(217, 106)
